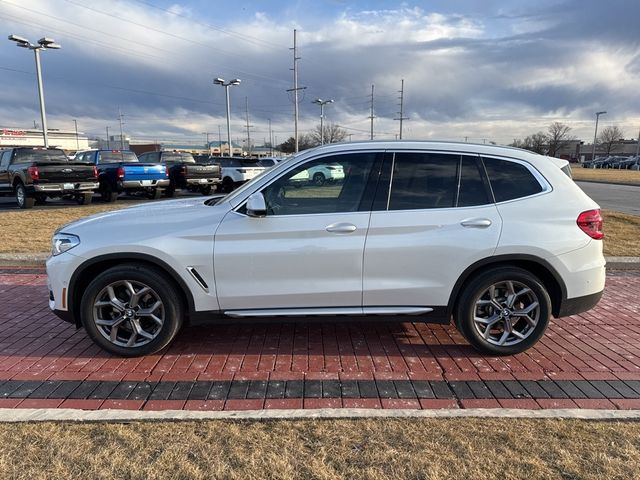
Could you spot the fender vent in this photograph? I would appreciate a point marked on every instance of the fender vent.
(198, 278)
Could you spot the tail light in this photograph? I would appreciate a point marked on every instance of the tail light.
(166, 171)
(95, 171)
(590, 222)
(120, 173)
(34, 173)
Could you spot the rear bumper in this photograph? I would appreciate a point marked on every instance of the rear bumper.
(142, 184)
(202, 181)
(63, 187)
(573, 306)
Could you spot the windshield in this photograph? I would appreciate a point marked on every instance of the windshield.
(28, 155)
(177, 157)
(116, 156)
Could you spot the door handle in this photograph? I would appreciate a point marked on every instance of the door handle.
(476, 223)
(341, 228)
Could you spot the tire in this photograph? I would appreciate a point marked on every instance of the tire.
(319, 179)
(168, 315)
(206, 190)
(107, 194)
(227, 185)
(154, 194)
(22, 199)
(170, 191)
(475, 302)
(85, 199)
(40, 199)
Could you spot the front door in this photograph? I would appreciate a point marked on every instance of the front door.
(307, 251)
(438, 219)
(5, 185)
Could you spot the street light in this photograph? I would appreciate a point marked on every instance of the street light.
(226, 85)
(322, 103)
(595, 136)
(43, 44)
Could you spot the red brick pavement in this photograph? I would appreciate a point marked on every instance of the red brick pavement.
(603, 344)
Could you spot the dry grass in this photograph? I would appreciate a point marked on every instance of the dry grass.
(622, 234)
(29, 231)
(629, 177)
(356, 449)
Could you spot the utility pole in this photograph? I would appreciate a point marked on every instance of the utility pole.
(295, 88)
(595, 135)
(108, 143)
(120, 115)
(270, 139)
(638, 145)
(401, 112)
(246, 111)
(207, 144)
(371, 116)
(77, 142)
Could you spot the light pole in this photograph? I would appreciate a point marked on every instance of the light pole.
(108, 143)
(77, 141)
(43, 44)
(595, 136)
(322, 103)
(226, 85)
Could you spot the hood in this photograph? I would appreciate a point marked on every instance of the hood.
(169, 214)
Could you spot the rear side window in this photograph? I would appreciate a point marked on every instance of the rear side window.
(435, 180)
(510, 180)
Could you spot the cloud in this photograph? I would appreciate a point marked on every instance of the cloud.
(495, 75)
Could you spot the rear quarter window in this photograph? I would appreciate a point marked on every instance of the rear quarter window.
(510, 180)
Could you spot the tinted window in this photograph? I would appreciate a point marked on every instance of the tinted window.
(4, 158)
(267, 162)
(177, 157)
(116, 156)
(473, 190)
(510, 180)
(294, 193)
(28, 156)
(423, 180)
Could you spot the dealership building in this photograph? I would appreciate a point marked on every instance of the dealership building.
(68, 140)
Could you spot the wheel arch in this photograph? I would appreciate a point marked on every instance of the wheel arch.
(539, 267)
(89, 269)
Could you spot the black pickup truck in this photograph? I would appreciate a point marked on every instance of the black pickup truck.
(34, 174)
(184, 172)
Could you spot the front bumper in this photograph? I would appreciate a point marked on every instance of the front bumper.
(59, 271)
(64, 187)
(142, 184)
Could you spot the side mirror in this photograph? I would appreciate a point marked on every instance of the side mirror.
(256, 206)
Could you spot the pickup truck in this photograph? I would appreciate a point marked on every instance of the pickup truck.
(185, 173)
(120, 171)
(35, 174)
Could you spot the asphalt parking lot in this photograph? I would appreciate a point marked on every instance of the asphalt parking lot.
(621, 198)
(590, 360)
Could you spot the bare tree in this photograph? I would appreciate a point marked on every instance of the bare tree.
(557, 137)
(609, 137)
(289, 145)
(332, 134)
(535, 143)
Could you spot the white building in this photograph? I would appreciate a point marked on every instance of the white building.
(67, 140)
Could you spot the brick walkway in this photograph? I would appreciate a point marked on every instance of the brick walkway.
(586, 361)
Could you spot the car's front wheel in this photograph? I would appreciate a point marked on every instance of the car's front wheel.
(503, 311)
(131, 310)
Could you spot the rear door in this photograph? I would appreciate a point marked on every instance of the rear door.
(437, 218)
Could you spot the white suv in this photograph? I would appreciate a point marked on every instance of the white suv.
(497, 239)
(238, 170)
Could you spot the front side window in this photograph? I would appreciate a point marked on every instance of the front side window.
(295, 193)
(4, 158)
(510, 180)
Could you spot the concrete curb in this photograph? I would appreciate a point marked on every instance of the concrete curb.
(8, 415)
(39, 259)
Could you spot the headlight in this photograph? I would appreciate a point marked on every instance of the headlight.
(61, 242)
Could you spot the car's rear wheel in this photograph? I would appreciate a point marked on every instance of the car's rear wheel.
(85, 198)
(170, 191)
(22, 198)
(131, 310)
(106, 193)
(206, 190)
(227, 185)
(503, 311)
(154, 194)
(319, 179)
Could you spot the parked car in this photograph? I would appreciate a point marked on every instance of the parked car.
(496, 239)
(326, 173)
(185, 173)
(625, 163)
(120, 171)
(35, 174)
(238, 170)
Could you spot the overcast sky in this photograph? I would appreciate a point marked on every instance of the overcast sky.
(490, 70)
